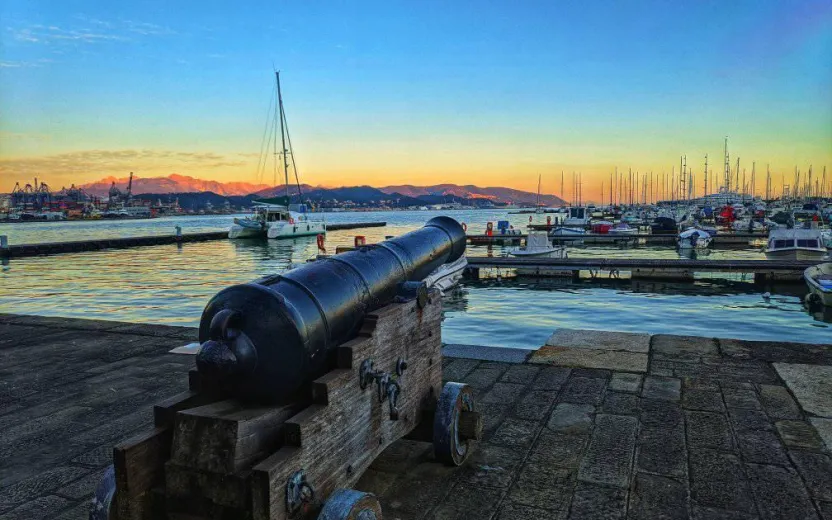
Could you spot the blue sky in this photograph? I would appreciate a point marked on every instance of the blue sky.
(483, 92)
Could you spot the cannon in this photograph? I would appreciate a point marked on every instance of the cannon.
(262, 340)
(302, 380)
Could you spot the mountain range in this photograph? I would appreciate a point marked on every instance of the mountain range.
(176, 183)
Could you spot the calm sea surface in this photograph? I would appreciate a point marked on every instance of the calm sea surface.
(171, 284)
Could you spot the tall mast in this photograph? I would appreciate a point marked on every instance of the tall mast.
(538, 190)
(727, 169)
(705, 187)
(279, 108)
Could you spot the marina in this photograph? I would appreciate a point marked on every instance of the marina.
(382, 314)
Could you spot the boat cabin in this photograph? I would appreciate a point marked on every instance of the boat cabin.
(577, 213)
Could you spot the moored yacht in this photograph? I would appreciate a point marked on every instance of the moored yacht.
(279, 220)
(795, 244)
(276, 221)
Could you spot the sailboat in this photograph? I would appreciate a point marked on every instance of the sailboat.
(539, 207)
(278, 217)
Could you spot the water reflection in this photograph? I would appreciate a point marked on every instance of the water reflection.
(522, 312)
(172, 283)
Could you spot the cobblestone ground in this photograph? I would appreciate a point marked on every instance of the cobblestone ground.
(709, 432)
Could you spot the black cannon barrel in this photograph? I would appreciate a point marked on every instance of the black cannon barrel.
(261, 341)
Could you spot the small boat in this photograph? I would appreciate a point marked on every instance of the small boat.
(819, 280)
(748, 225)
(623, 229)
(447, 275)
(795, 244)
(571, 235)
(538, 245)
(693, 238)
(664, 226)
(601, 227)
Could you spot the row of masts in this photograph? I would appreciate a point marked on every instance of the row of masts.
(645, 188)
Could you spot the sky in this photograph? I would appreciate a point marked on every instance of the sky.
(403, 92)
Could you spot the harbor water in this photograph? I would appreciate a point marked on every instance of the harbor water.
(170, 284)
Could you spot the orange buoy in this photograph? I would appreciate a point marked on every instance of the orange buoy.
(360, 240)
(548, 220)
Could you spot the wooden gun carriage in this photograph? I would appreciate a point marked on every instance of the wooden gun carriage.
(214, 455)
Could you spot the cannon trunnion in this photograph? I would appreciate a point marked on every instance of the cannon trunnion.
(231, 448)
(264, 340)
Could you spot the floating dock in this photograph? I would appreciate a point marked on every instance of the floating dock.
(23, 250)
(592, 424)
(646, 268)
(725, 240)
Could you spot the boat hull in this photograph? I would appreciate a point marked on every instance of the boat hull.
(296, 229)
(238, 231)
(824, 294)
(795, 254)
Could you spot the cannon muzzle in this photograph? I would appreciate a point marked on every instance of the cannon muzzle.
(262, 341)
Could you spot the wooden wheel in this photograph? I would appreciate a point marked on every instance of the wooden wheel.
(456, 425)
(103, 498)
(348, 504)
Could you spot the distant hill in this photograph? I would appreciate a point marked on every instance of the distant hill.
(173, 183)
(508, 195)
(404, 195)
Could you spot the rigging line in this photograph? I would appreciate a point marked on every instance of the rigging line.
(260, 159)
(292, 153)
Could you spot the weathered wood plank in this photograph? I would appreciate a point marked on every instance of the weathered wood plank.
(139, 466)
(336, 439)
(227, 436)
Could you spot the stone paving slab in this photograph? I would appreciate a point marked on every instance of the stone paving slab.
(590, 358)
(810, 384)
(701, 432)
(600, 340)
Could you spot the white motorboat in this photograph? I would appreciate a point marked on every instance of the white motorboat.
(447, 275)
(538, 245)
(570, 235)
(276, 221)
(819, 280)
(795, 244)
(622, 229)
(577, 217)
(693, 238)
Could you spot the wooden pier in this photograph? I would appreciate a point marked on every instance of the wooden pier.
(23, 250)
(677, 269)
(725, 240)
